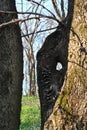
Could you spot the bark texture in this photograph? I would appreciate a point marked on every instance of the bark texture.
(70, 110)
(11, 65)
(50, 79)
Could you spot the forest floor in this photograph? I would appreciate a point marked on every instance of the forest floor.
(30, 113)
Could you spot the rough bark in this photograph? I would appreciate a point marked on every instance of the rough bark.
(70, 110)
(50, 79)
(11, 66)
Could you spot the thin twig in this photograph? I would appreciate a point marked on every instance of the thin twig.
(40, 31)
(57, 10)
(44, 8)
(77, 64)
(36, 23)
(74, 33)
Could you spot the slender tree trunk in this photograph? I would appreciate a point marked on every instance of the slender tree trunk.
(34, 78)
(11, 65)
(53, 52)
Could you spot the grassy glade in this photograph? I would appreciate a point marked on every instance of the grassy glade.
(30, 113)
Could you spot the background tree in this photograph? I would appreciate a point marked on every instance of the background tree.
(11, 65)
(32, 41)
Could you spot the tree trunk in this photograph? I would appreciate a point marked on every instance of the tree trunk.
(11, 66)
(70, 110)
(50, 79)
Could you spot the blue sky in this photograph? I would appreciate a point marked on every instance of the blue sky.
(25, 7)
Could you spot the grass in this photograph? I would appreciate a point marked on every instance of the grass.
(30, 114)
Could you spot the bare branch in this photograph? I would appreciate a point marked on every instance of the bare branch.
(74, 33)
(44, 8)
(14, 21)
(77, 64)
(62, 9)
(36, 22)
(57, 10)
(39, 31)
(41, 15)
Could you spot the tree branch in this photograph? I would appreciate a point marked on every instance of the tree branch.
(57, 10)
(39, 31)
(77, 64)
(62, 9)
(74, 33)
(14, 21)
(41, 15)
(44, 8)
